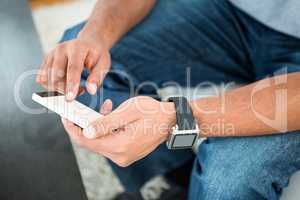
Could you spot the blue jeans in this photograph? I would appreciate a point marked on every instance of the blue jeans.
(217, 43)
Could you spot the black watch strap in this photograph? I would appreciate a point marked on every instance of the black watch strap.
(184, 115)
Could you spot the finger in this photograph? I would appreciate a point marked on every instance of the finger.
(92, 59)
(75, 66)
(59, 87)
(44, 71)
(98, 73)
(106, 107)
(38, 77)
(74, 132)
(81, 91)
(107, 124)
(59, 65)
(72, 129)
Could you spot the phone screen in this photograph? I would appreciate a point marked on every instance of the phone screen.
(49, 94)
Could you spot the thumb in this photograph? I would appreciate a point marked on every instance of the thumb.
(105, 109)
(109, 123)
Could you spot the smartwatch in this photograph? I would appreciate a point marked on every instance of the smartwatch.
(186, 132)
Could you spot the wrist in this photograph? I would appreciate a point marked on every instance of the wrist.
(94, 37)
(206, 112)
(186, 132)
(169, 112)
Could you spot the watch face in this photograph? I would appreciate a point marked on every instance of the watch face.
(184, 140)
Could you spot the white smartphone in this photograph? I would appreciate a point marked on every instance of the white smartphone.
(74, 111)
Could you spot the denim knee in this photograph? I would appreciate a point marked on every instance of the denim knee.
(245, 168)
(218, 184)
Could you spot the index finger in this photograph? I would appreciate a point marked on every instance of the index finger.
(75, 67)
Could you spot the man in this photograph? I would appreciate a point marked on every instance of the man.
(148, 44)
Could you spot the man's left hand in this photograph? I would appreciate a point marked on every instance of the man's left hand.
(130, 132)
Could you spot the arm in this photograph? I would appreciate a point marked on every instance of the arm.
(268, 106)
(110, 20)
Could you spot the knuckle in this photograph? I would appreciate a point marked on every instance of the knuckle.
(58, 73)
(123, 162)
(132, 100)
(51, 53)
(64, 44)
(73, 67)
(59, 49)
(77, 43)
(72, 43)
(96, 52)
(48, 59)
(50, 56)
(56, 61)
(72, 48)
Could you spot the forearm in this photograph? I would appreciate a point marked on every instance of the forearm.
(111, 19)
(257, 109)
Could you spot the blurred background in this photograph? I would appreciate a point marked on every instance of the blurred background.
(52, 17)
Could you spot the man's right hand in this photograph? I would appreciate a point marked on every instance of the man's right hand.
(110, 20)
(62, 67)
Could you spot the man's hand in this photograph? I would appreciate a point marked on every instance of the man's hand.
(62, 68)
(130, 132)
(109, 21)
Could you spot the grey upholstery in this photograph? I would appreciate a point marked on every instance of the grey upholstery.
(36, 157)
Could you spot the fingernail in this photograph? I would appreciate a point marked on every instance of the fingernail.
(89, 132)
(92, 88)
(106, 107)
(70, 96)
(107, 100)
